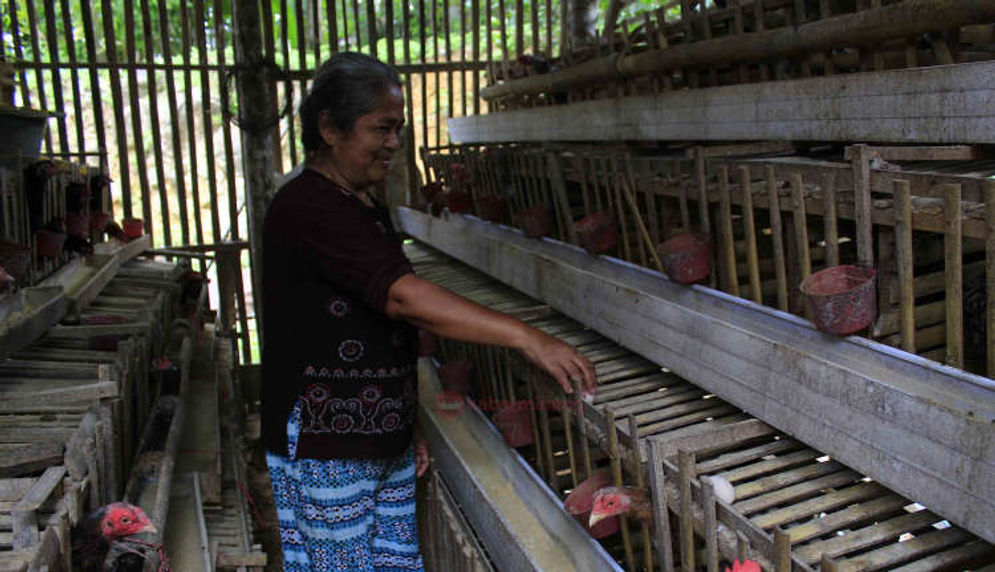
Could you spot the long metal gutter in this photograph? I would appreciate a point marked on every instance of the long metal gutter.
(519, 520)
(923, 429)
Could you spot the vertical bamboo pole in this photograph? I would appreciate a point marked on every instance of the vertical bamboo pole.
(181, 192)
(449, 72)
(989, 198)
(110, 43)
(585, 445)
(371, 26)
(651, 206)
(15, 32)
(534, 5)
(710, 525)
(829, 218)
(903, 248)
(208, 126)
(547, 445)
(954, 271)
(549, 28)
(333, 25)
(316, 38)
(725, 232)
(743, 547)
(615, 194)
(438, 89)
(504, 38)
(345, 23)
(568, 432)
(462, 56)
(749, 226)
(801, 226)
(191, 129)
(559, 191)
(702, 179)
(153, 91)
(615, 455)
(777, 234)
(519, 28)
(661, 513)
(89, 34)
(269, 43)
(860, 157)
(644, 528)
(782, 551)
(138, 136)
(475, 53)
(531, 394)
(686, 464)
(424, 76)
(74, 66)
(52, 46)
(36, 58)
(230, 170)
(355, 19)
(288, 87)
(682, 198)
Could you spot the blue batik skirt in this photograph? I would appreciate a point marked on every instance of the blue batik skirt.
(344, 514)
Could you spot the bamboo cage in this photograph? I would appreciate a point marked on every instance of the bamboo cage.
(775, 216)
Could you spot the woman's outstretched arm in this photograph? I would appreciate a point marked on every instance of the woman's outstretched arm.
(436, 309)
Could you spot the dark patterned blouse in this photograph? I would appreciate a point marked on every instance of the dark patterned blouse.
(328, 262)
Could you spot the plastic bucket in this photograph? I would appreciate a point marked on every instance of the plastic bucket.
(686, 258)
(133, 228)
(580, 501)
(514, 420)
(536, 220)
(596, 232)
(457, 376)
(842, 299)
(492, 208)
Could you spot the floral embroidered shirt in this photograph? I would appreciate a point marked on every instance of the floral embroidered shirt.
(328, 263)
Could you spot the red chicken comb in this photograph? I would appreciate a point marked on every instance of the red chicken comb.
(744, 566)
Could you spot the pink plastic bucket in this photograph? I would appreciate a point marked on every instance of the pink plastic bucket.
(686, 258)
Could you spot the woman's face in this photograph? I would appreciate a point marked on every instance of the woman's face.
(362, 156)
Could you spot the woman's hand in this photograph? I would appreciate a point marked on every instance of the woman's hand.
(421, 454)
(561, 360)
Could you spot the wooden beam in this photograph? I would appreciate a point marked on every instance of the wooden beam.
(920, 428)
(907, 106)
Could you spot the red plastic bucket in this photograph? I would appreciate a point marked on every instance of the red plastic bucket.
(492, 208)
(536, 220)
(459, 201)
(514, 420)
(596, 232)
(686, 258)
(457, 376)
(580, 501)
(843, 299)
(133, 228)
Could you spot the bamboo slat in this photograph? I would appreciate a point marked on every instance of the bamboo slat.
(371, 27)
(191, 131)
(110, 47)
(137, 131)
(230, 167)
(288, 86)
(801, 226)
(67, 30)
(904, 254)
(206, 114)
(153, 97)
(954, 272)
(777, 234)
(345, 23)
(990, 273)
(450, 110)
(333, 25)
(15, 31)
(52, 47)
(728, 257)
(749, 226)
(174, 118)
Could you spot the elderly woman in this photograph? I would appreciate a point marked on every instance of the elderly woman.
(340, 339)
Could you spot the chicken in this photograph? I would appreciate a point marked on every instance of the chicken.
(635, 502)
(632, 502)
(744, 566)
(97, 531)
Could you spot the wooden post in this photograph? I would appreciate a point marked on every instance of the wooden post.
(257, 145)
(989, 198)
(782, 551)
(749, 225)
(829, 218)
(710, 526)
(661, 514)
(777, 234)
(904, 254)
(728, 256)
(614, 453)
(860, 158)
(686, 463)
(954, 271)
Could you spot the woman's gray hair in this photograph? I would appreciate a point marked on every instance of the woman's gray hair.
(347, 86)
